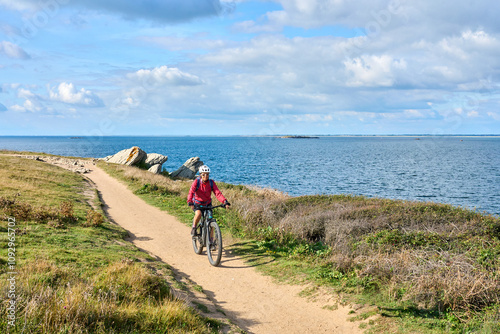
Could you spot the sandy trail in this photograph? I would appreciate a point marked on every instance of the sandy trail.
(250, 300)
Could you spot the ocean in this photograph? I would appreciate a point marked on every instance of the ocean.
(463, 171)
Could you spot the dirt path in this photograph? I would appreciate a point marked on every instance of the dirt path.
(250, 300)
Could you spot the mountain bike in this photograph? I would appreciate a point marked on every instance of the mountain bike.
(208, 235)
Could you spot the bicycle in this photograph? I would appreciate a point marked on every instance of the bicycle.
(208, 235)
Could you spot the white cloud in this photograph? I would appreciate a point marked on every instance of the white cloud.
(12, 50)
(372, 71)
(67, 93)
(164, 75)
(28, 106)
(412, 113)
(25, 94)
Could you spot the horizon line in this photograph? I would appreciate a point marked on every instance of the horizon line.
(273, 135)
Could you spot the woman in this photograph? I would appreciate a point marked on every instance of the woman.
(201, 194)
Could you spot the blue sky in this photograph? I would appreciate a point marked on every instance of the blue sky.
(233, 67)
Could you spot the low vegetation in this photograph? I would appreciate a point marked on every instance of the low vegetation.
(73, 272)
(427, 267)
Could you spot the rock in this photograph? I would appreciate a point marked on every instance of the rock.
(155, 169)
(82, 170)
(129, 156)
(189, 169)
(155, 159)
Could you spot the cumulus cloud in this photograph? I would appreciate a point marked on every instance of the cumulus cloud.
(29, 106)
(67, 93)
(164, 75)
(165, 11)
(12, 50)
(373, 71)
(26, 94)
(376, 15)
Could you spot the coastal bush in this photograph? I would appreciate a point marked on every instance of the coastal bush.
(94, 219)
(66, 211)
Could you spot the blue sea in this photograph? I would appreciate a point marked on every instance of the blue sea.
(463, 171)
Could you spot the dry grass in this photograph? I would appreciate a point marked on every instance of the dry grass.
(159, 182)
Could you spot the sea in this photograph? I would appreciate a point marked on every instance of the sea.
(459, 170)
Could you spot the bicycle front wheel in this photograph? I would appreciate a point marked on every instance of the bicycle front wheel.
(214, 244)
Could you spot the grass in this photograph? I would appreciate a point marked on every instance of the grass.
(74, 271)
(428, 267)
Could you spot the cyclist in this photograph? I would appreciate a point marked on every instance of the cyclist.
(201, 194)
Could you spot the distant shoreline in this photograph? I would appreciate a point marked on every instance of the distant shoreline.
(263, 136)
(297, 137)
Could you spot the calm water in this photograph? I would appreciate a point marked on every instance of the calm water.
(463, 171)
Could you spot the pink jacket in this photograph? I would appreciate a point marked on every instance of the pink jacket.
(203, 196)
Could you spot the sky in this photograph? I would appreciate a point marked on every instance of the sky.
(236, 67)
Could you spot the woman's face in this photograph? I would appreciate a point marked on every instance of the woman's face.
(204, 176)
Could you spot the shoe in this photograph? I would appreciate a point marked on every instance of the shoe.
(193, 231)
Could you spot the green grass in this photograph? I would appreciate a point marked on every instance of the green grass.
(427, 267)
(74, 275)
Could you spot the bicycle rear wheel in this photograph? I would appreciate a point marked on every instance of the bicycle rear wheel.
(214, 244)
(198, 240)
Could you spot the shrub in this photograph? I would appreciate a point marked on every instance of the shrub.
(94, 219)
(66, 211)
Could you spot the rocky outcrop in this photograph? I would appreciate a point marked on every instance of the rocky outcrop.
(129, 156)
(153, 162)
(155, 159)
(189, 169)
(135, 156)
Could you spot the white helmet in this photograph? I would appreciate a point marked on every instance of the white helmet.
(204, 169)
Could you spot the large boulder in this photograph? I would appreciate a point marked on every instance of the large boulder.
(129, 156)
(155, 159)
(189, 169)
(155, 169)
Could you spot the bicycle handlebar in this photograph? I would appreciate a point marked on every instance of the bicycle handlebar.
(202, 207)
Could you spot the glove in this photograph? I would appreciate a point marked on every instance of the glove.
(227, 203)
(190, 204)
